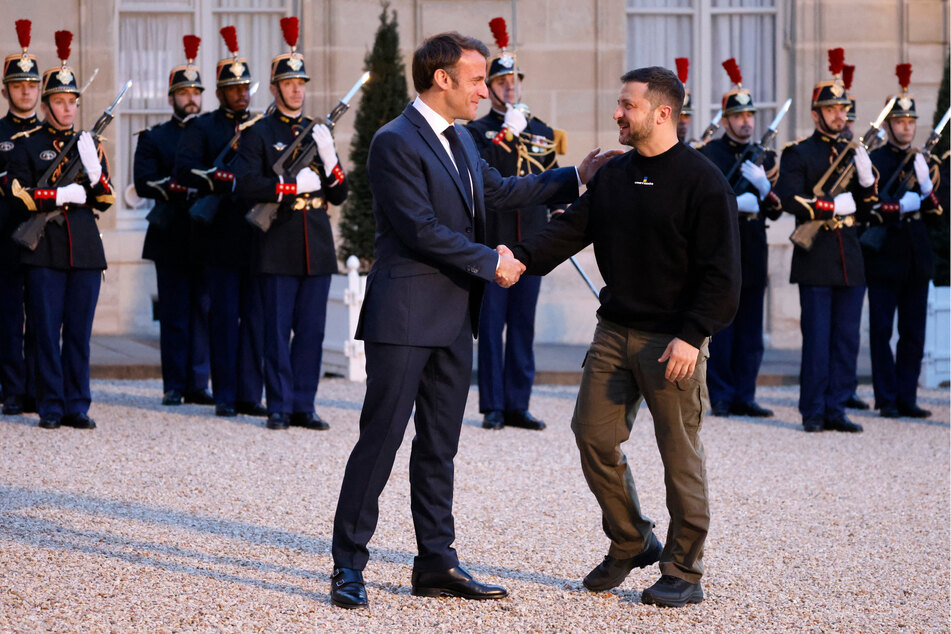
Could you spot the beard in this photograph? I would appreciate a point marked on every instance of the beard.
(182, 111)
(637, 133)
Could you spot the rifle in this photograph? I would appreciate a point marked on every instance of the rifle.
(298, 155)
(900, 183)
(205, 208)
(755, 152)
(65, 167)
(709, 131)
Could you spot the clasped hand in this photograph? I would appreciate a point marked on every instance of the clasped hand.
(509, 269)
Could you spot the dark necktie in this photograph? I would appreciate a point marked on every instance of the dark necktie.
(459, 156)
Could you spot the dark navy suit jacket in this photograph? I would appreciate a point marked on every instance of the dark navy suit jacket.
(431, 263)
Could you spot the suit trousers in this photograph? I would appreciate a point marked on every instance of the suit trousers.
(16, 343)
(620, 371)
(298, 304)
(895, 377)
(507, 371)
(61, 306)
(437, 381)
(235, 323)
(736, 352)
(830, 348)
(183, 328)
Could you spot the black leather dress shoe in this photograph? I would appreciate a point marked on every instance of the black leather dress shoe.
(842, 424)
(172, 397)
(79, 421)
(889, 411)
(672, 592)
(750, 409)
(721, 408)
(455, 582)
(250, 409)
(225, 410)
(855, 402)
(201, 397)
(813, 424)
(493, 420)
(308, 420)
(50, 422)
(13, 406)
(913, 411)
(523, 419)
(611, 572)
(347, 589)
(278, 421)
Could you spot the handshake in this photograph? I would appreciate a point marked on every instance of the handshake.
(509, 269)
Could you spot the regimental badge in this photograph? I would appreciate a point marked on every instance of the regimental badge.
(6, 146)
(904, 103)
(742, 98)
(237, 69)
(191, 74)
(65, 76)
(295, 63)
(506, 60)
(837, 89)
(47, 155)
(489, 134)
(279, 146)
(25, 64)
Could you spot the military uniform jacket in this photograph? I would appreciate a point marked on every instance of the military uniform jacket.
(227, 242)
(74, 244)
(836, 257)
(299, 241)
(508, 226)
(754, 250)
(10, 215)
(152, 172)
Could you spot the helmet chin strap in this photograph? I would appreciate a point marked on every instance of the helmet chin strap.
(59, 124)
(824, 125)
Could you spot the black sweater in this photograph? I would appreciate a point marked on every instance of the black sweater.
(666, 240)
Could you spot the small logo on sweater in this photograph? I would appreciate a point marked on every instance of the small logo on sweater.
(643, 181)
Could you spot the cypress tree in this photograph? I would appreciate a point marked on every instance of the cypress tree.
(938, 229)
(383, 98)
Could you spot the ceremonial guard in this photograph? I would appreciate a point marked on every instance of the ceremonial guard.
(686, 113)
(21, 89)
(182, 296)
(737, 351)
(64, 269)
(827, 259)
(295, 256)
(203, 163)
(898, 259)
(515, 143)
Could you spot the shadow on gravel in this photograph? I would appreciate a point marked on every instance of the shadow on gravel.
(17, 525)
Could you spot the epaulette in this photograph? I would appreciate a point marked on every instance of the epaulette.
(250, 122)
(138, 132)
(25, 133)
(796, 142)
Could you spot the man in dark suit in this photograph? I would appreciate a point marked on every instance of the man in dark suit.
(430, 193)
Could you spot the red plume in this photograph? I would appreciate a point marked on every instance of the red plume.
(683, 64)
(63, 40)
(291, 29)
(733, 70)
(499, 32)
(23, 33)
(191, 46)
(836, 60)
(231, 39)
(848, 71)
(903, 72)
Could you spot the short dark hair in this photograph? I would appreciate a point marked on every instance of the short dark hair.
(663, 87)
(441, 51)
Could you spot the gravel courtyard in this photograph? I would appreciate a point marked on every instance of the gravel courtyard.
(169, 519)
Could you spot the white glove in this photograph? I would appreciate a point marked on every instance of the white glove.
(756, 175)
(747, 202)
(844, 204)
(325, 148)
(515, 120)
(73, 193)
(307, 181)
(923, 175)
(863, 167)
(909, 202)
(90, 157)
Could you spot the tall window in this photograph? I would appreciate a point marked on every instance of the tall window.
(709, 32)
(150, 44)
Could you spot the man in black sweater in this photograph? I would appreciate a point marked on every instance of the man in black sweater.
(663, 222)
